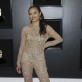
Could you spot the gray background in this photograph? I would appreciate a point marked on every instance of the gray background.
(63, 62)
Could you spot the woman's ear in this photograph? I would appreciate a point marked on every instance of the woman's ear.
(40, 14)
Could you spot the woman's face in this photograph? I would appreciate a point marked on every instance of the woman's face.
(34, 14)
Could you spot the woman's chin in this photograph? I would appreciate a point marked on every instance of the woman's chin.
(34, 21)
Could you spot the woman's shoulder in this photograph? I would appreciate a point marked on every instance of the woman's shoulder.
(24, 28)
(48, 27)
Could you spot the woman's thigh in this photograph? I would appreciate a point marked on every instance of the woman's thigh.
(40, 68)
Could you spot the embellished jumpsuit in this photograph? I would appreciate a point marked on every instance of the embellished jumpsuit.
(31, 52)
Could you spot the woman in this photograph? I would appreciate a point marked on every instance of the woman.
(32, 45)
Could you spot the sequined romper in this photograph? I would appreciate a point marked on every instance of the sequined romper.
(31, 52)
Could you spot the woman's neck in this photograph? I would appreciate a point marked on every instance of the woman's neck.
(35, 24)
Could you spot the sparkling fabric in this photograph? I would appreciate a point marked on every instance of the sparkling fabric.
(31, 53)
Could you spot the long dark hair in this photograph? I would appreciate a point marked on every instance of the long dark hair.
(42, 23)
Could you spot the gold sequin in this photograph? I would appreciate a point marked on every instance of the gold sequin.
(32, 54)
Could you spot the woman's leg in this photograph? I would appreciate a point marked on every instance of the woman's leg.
(41, 71)
(27, 70)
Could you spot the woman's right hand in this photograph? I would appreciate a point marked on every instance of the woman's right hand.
(18, 69)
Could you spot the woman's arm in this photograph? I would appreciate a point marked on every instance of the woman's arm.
(22, 45)
(52, 33)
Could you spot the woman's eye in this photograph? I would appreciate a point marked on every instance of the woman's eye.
(29, 14)
(34, 12)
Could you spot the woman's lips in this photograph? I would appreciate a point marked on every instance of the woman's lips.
(33, 18)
